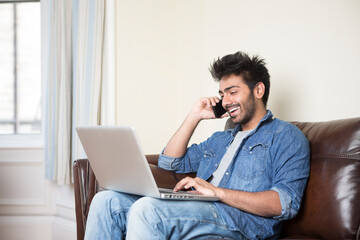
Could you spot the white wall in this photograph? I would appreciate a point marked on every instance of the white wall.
(165, 48)
(147, 69)
(30, 206)
(25, 198)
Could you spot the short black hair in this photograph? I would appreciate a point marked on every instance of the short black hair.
(251, 69)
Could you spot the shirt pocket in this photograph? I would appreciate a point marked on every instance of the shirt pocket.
(252, 161)
(206, 154)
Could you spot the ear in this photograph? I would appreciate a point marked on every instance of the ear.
(259, 90)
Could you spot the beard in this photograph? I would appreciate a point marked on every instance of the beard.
(246, 111)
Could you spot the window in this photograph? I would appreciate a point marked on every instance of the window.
(20, 73)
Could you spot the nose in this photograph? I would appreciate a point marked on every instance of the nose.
(226, 100)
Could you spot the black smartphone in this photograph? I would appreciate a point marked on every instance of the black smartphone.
(219, 110)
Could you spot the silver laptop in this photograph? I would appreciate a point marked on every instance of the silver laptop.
(119, 163)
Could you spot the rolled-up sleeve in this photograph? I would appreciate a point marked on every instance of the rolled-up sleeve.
(168, 163)
(292, 168)
(185, 164)
(196, 154)
(287, 210)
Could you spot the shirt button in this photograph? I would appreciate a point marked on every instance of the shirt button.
(216, 164)
(227, 173)
(250, 152)
(204, 155)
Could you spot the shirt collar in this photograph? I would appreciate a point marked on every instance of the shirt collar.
(267, 117)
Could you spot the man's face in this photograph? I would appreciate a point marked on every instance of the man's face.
(238, 100)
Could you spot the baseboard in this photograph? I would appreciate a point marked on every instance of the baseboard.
(63, 229)
(26, 227)
(37, 228)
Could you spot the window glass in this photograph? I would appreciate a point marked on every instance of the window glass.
(20, 76)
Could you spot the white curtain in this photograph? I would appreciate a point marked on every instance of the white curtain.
(78, 72)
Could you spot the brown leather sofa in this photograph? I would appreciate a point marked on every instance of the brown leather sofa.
(331, 204)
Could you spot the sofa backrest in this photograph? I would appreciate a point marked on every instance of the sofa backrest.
(331, 203)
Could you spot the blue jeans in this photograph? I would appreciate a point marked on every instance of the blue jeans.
(114, 215)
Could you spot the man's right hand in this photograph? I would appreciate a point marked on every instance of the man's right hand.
(202, 108)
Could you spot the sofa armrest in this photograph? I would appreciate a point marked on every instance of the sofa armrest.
(152, 159)
(85, 188)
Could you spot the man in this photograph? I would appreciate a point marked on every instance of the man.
(258, 170)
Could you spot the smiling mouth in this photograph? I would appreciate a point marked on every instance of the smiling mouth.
(234, 109)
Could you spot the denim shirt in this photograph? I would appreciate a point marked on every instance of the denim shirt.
(274, 156)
